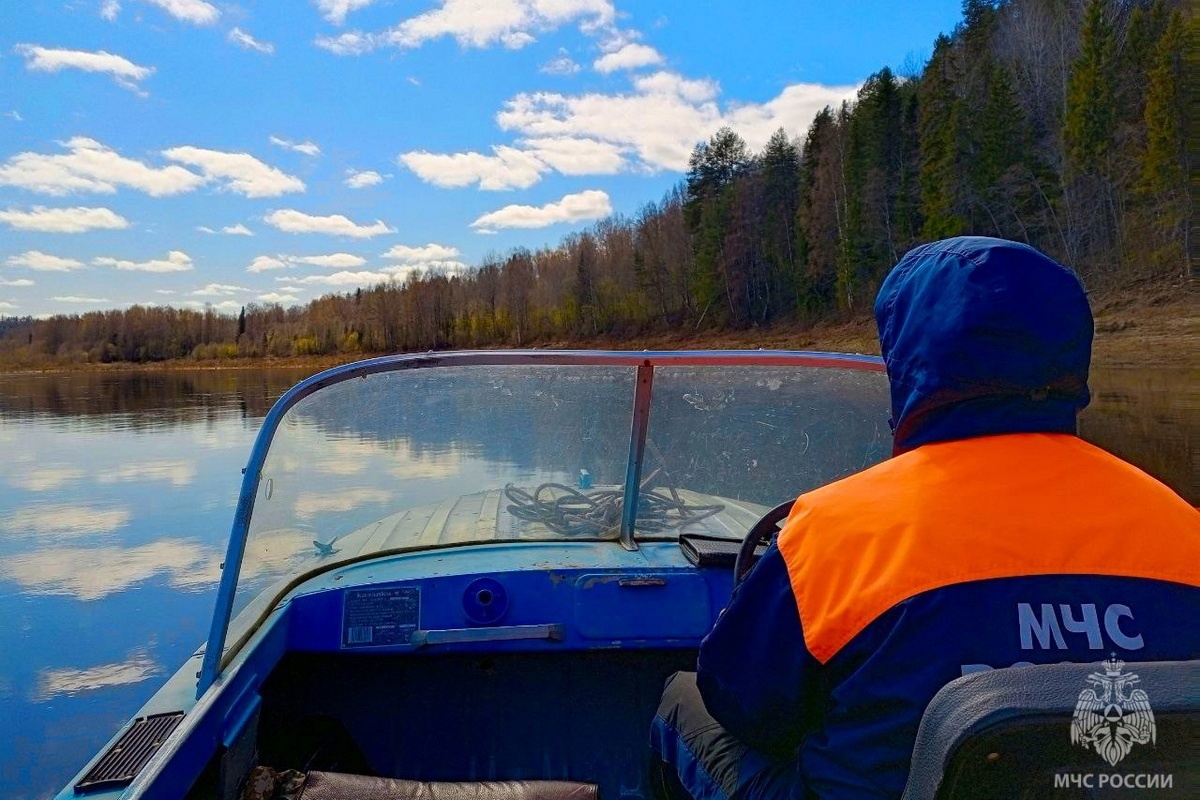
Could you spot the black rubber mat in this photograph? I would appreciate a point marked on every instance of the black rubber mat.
(121, 763)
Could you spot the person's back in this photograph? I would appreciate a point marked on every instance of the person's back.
(994, 538)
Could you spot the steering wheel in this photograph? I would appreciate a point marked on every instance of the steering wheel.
(763, 531)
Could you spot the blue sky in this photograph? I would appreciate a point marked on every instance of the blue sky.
(193, 152)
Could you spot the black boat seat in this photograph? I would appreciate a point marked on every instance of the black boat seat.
(341, 786)
(1006, 733)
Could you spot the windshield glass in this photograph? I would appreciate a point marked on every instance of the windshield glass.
(467, 454)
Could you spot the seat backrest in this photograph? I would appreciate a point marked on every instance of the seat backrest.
(1062, 731)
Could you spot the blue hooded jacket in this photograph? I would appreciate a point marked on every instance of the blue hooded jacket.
(987, 344)
(982, 336)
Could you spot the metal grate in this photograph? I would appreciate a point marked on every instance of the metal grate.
(125, 759)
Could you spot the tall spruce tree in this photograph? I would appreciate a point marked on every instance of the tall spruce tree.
(781, 200)
(940, 121)
(1090, 112)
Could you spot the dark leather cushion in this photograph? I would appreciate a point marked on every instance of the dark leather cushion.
(340, 786)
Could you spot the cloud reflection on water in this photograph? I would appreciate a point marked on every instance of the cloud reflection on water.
(43, 479)
(92, 573)
(310, 504)
(57, 681)
(412, 463)
(179, 473)
(65, 519)
(398, 458)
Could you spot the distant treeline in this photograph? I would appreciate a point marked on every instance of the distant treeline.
(1061, 123)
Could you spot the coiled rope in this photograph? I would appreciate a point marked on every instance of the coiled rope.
(566, 510)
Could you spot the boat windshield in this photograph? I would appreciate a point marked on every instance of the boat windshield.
(389, 455)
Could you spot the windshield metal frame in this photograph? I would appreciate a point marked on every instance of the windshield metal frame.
(643, 361)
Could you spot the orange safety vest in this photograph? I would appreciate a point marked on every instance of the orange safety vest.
(977, 509)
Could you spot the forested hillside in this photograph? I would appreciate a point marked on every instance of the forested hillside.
(1061, 123)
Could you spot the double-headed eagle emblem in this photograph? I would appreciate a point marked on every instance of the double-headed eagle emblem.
(1112, 716)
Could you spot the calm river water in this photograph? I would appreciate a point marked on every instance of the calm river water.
(116, 495)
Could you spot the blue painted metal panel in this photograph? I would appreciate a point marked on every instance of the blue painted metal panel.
(628, 607)
(659, 606)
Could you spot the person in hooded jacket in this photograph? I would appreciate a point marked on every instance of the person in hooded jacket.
(993, 537)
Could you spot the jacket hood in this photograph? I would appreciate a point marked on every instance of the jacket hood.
(983, 336)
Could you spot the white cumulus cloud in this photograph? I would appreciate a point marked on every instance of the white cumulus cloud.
(335, 11)
(74, 298)
(630, 56)
(196, 12)
(334, 260)
(508, 23)
(276, 297)
(176, 261)
(90, 166)
(265, 263)
(16, 284)
(672, 114)
(219, 290)
(307, 148)
(361, 179)
(63, 220)
(562, 64)
(230, 230)
(247, 42)
(109, 10)
(517, 167)
(354, 43)
(344, 279)
(576, 156)
(48, 59)
(417, 255)
(592, 204)
(238, 172)
(508, 168)
(94, 167)
(289, 220)
(43, 262)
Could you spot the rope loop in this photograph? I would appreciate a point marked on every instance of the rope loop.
(566, 510)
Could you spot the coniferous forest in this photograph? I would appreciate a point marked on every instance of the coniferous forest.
(1061, 123)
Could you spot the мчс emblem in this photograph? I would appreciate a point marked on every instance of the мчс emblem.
(1112, 717)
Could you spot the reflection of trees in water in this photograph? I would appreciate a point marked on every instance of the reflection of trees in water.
(759, 435)
(1150, 418)
(539, 420)
(772, 436)
(146, 399)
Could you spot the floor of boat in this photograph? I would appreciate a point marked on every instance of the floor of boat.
(570, 716)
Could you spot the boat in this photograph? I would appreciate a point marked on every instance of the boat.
(469, 574)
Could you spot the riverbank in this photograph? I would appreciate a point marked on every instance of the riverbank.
(1160, 329)
(1156, 328)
